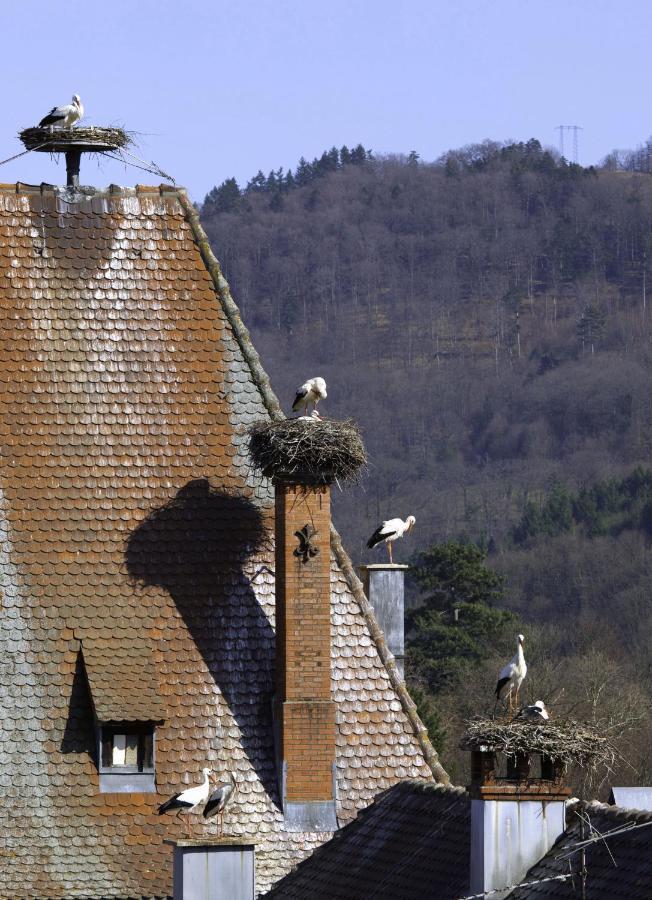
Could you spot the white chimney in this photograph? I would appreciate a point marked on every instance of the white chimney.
(214, 869)
(384, 586)
(515, 819)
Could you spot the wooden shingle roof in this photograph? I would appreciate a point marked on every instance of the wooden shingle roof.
(131, 525)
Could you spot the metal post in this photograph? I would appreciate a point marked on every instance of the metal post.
(73, 158)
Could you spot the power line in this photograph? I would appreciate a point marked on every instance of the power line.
(574, 133)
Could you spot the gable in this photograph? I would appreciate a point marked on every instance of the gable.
(131, 521)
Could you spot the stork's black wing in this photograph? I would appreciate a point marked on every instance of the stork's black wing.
(217, 800)
(502, 682)
(174, 803)
(52, 118)
(379, 536)
(298, 399)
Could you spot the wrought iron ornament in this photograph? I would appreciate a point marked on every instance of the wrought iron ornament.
(306, 550)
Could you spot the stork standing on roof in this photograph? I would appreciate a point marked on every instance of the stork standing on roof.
(510, 677)
(388, 532)
(535, 713)
(64, 116)
(221, 796)
(312, 391)
(187, 801)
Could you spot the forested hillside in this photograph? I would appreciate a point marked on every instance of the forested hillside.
(485, 319)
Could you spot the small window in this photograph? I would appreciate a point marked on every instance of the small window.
(128, 749)
(126, 755)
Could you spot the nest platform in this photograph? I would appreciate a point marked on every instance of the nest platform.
(563, 741)
(83, 140)
(321, 450)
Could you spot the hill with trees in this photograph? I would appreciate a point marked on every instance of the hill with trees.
(485, 318)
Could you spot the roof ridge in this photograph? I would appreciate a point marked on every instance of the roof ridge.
(262, 381)
(623, 812)
(111, 190)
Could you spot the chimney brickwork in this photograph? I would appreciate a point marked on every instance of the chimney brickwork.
(305, 711)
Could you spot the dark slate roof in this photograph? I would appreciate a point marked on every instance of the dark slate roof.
(129, 517)
(412, 843)
(618, 867)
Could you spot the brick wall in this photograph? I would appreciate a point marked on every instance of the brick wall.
(303, 654)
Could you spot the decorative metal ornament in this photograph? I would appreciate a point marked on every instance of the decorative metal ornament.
(306, 550)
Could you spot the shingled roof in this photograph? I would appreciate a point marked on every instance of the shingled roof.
(136, 561)
(413, 842)
(618, 866)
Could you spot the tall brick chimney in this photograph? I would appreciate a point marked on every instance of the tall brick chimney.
(305, 710)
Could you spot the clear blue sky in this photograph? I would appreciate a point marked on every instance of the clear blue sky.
(227, 87)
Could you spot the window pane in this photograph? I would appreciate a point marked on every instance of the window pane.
(131, 750)
(119, 749)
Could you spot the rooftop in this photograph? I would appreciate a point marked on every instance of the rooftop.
(136, 562)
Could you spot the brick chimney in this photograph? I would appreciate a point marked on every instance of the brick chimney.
(305, 710)
(516, 816)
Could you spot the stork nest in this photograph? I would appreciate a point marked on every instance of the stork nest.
(46, 139)
(323, 450)
(564, 741)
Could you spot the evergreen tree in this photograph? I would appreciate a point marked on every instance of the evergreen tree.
(591, 325)
(456, 624)
(222, 199)
(258, 183)
(304, 172)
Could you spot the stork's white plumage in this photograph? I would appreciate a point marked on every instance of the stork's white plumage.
(64, 116)
(312, 391)
(189, 799)
(535, 713)
(388, 532)
(510, 677)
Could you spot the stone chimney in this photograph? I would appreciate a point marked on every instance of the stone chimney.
(384, 585)
(516, 816)
(305, 710)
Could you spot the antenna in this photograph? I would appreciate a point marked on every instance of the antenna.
(575, 129)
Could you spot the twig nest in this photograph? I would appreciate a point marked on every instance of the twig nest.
(565, 741)
(53, 140)
(321, 450)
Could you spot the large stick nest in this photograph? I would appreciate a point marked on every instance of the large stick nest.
(58, 139)
(321, 449)
(566, 741)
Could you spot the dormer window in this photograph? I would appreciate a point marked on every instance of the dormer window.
(126, 757)
(127, 706)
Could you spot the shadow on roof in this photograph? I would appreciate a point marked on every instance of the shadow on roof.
(194, 547)
(79, 732)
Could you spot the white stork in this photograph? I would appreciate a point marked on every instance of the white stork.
(187, 801)
(535, 713)
(510, 677)
(64, 116)
(388, 532)
(218, 800)
(312, 391)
